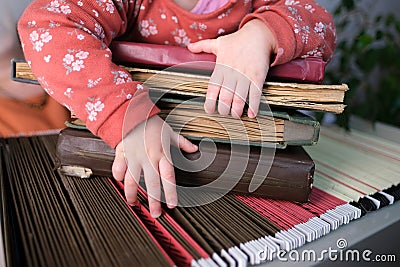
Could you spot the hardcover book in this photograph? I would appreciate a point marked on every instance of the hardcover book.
(269, 129)
(194, 82)
(309, 70)
(290, 176)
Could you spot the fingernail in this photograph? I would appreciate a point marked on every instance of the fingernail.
(134, 203)
(250, 114)
(119, 179)
(172, 204)
(156, 214)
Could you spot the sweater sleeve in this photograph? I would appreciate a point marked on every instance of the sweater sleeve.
(301, 28)
(66, 44)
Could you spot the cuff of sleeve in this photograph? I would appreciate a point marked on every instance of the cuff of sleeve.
(283, 33)
(127, 117)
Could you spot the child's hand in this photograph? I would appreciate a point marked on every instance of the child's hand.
(147, 149)
(247, 52)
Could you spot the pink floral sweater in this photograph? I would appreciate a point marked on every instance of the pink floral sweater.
(66, 44)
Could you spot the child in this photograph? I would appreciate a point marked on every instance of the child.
(65, 42)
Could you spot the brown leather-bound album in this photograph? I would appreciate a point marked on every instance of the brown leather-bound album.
(285, 174)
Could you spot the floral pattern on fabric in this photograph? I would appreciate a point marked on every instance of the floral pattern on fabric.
(39, 38)
(74, 60)
(93, 107)
(59, 6)
(66, 43)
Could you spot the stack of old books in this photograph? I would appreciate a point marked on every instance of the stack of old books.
(263, 156)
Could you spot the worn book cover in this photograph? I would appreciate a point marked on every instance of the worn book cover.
(288, 172)
(306, 70)
(278, 128)
(193, 83)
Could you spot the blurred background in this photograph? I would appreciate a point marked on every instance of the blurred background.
(24, 108)
(367, 58)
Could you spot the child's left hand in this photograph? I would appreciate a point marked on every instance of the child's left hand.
(242, 64)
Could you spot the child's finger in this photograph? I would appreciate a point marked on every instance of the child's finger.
(254, 100)
(153, 186)
(211, 98)
(226, 94)
(132, 178)
(183, 143)
(119, 166)
(154, 207)
(207, 46)
(167, 175)
(214, 87)
(239, 99)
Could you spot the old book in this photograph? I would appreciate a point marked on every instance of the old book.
(269, 129)
(282, 174)
(320, 97)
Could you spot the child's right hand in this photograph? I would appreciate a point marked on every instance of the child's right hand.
(146, 149)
